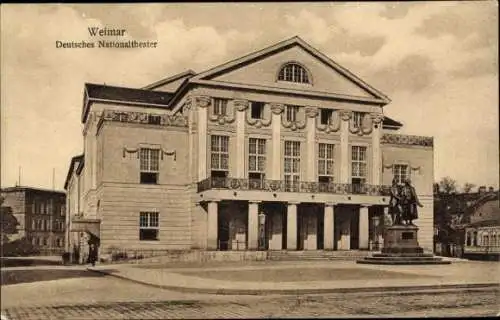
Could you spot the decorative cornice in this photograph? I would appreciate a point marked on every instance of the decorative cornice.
(162, 152)
(241, 105)
(400, 139)
(277, 108)
(311, 112)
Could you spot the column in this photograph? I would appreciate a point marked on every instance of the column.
(276, 110)
(291, 225)
(202, 103)
(212, 225)
(311, 114)
(253, 225)
(363, 227)
(345, 116)
(241, 106)
(376, 153)
(329, 226)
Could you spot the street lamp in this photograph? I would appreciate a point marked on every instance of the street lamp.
(262, 223)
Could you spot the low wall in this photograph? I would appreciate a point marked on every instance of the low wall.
(183, 256)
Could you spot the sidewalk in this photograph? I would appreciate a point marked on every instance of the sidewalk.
(457, 275)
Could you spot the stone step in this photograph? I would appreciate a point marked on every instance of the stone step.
(401, 258)
(403, 262)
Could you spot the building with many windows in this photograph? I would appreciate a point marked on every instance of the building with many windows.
(41, 216)
(282, 149)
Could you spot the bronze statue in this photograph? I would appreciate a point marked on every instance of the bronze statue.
(409, 202)
(395, 209)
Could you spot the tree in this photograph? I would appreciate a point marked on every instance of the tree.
(8, 222)
(447, 185)
(468, 187)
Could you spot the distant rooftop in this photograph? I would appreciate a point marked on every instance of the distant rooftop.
(34, 189)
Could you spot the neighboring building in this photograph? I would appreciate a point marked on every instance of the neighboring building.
(482, 230)
(41, 215)
(282, 145)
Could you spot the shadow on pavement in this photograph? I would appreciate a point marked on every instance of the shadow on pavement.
(26, 276)
(27, 262)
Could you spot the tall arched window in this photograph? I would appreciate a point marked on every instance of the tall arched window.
(293, 72)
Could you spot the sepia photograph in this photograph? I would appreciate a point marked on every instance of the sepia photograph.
(249, 160)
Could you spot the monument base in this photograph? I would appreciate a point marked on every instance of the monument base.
(401, 248)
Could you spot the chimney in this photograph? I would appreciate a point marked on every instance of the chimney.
(481, 189)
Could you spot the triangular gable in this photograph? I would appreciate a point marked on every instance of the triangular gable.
(170, 84)
(261, 69)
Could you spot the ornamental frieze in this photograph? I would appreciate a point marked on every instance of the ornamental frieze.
(260, 123)
(365, 128)
(401, 139)
(293, 125)
(176, 120)
(333, 123)
(222, 119)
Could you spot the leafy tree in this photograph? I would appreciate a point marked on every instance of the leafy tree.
(468, 187)
(8, 222)
(447, 185)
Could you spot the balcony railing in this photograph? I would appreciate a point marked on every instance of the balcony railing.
(286, 186)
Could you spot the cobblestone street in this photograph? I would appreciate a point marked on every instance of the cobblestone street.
(482, 302)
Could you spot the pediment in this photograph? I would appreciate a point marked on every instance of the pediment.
(261, 69)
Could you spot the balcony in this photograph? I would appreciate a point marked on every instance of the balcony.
(286, 186)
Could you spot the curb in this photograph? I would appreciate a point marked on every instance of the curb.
(307, 290)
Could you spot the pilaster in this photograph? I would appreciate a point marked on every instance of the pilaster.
(241, 107)
(345, 116)
(202, 103)
(376, 152)
(311, 114)
(276, 110)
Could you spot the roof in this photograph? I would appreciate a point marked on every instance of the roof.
(283, 45)
(31, 189)
(130, 96)
(188, 73)
(389, 123)
(75, 160)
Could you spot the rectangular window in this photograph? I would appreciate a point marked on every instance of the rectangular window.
(219, 155)
(326, 116)
(256, 162)
(357, 119)
(257, 110)
(292, 165)
(291, 113)
(150, 159)
(326, 162)
(33, 224)
(358, 166)
(401, 173)
(154, 119)
(50, 207)
(63, 210)
(220, 107)
(148, 226)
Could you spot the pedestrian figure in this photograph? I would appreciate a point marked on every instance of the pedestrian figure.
(92, 254)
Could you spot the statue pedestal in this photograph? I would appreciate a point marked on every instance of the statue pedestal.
(401, 248)
(401, 239)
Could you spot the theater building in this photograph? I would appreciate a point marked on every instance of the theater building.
(282, 149)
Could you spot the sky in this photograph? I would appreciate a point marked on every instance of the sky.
(437, 61)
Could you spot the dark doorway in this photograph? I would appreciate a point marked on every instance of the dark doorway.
(321, 229)
(223, 229)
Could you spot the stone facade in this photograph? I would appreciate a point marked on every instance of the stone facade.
(281, 149)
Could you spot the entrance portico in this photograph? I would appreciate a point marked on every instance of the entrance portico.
(272, 225)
